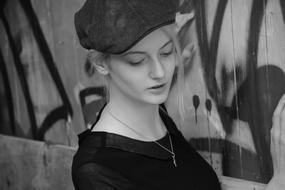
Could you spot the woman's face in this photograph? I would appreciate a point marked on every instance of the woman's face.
(144, 73)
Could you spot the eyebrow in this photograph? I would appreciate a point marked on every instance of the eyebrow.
(170, 41)
(142, 52)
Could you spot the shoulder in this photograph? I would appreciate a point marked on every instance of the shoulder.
(87, 150)
(95, 176)
(88, 172)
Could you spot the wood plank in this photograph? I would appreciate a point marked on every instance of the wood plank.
(28, 164)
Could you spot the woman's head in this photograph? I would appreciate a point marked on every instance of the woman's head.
(138, 73)
(144, 72)
(135, 45)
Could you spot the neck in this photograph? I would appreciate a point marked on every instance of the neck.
(140, 116)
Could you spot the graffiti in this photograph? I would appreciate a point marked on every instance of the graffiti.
(8, 95)
(282, 4)
(65, 110)
(262, 149)
(255, 97)
(62, 112)
(94, 106)
(270, 90)
(21, 74)
(196, 102)
(209, 52)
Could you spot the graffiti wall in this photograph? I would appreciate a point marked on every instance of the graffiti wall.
(233, 78)
(234, 83)
(43, 78)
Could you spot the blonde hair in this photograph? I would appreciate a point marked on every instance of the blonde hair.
(178, 77)
(179, 73)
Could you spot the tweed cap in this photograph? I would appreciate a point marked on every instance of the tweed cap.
(114, 26)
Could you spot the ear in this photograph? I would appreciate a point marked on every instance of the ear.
(101, 67)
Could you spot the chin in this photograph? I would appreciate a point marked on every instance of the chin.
(157, 99)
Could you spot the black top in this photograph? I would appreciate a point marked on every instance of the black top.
(107, 161)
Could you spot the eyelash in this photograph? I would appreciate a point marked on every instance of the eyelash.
(166, 54)
(136, 63)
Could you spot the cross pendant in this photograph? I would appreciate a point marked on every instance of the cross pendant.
(174, 161)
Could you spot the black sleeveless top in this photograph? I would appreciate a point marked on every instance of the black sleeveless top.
(107, 161)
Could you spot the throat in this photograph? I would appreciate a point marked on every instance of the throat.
(143, 125)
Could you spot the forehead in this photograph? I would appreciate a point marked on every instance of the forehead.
(153, 41)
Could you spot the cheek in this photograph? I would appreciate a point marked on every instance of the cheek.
(131, 81)
(127, 78)
(170, 66)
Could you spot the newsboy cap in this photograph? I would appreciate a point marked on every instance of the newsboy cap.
(114, 26)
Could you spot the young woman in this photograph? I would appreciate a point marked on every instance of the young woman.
(134, 144)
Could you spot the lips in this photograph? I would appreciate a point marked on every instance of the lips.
(158, 86)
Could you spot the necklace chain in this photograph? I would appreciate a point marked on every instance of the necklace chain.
(144, 136)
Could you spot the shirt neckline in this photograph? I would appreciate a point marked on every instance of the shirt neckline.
(101, 139)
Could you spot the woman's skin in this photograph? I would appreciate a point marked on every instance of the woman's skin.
(133, 78)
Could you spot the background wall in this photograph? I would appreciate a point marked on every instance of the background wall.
(233, 83)
(42, 68)
(49, 92)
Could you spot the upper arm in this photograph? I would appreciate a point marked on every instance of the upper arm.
(92, 176)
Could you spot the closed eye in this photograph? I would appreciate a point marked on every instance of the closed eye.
(134, 63)
(167, 49)
(165, 54)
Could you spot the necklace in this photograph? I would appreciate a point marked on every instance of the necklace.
(142, 135)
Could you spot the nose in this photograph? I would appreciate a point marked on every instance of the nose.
(157, 69)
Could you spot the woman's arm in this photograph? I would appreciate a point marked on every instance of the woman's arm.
(277, 147)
